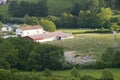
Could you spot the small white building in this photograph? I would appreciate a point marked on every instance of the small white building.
(7, 29)
(29, 30)
(3, 1)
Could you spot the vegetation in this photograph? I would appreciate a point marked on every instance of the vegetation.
(86, 75)
(23, 54)
(48, 25)
(111, 56)
(21, 9)
(27, 55)
(107, 75)
(88, 43)
(97, 13)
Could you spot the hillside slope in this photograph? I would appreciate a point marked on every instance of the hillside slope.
(55, 7)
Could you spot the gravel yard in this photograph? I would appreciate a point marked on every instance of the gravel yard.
(73, 57)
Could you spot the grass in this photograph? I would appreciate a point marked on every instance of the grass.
(88, 43)
(92, 72)
(73, 31)
(55, 7)
(4, 10)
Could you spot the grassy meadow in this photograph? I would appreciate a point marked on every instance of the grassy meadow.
(91, 43)
(92, 72)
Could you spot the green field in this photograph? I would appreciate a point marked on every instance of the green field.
(88, 43)
(54, 6)
(97, 73)
(92, 72)
(4, 10)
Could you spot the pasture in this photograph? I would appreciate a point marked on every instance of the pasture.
(92, 72)
(89, 43)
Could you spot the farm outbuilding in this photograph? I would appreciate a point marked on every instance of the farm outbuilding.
(49, 36)
(38, 34)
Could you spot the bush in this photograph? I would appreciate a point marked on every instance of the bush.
(47, 73)
(107, 75)
(74, 72)
(112, 56)
(48, 25)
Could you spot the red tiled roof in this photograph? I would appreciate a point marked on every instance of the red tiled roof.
(48, 35)
(28, 27)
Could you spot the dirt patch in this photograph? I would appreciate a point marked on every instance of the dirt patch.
(73, 57)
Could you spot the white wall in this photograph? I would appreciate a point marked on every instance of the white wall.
(45, 40)
(7, 29)
(29, 32)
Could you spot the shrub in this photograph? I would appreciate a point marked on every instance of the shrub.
(107, 75)
(74, 72)
(47, 73)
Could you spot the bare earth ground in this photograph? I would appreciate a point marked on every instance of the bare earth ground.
(72, 56)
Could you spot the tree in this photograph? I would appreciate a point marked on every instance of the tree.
(87, 19)
(104, 16)
(8, 55)
(94, 5)
(16, 9)
(67, 21)
(111, 56)
(114, 27)
(102, 4)
(23, 9)
(107, 75)
(13, 8)
(74, 72)
(47, 73)
(48, 25)
(75, 9)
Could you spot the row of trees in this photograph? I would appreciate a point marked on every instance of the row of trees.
(86, 19)
(38, 9)
(93, 5)
(47, 75)
(28, 55)
(83, 14)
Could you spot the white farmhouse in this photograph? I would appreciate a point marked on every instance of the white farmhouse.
(29, 30)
